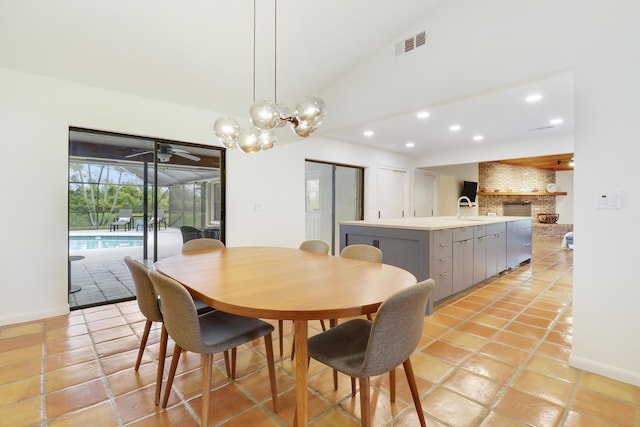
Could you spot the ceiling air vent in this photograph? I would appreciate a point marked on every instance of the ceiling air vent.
(414, 42)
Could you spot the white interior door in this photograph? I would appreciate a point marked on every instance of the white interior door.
(391, 189)
(423, 194)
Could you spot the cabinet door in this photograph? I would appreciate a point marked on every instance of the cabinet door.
(479, 259)
(501, 251)
(462, 268)
(441, 263)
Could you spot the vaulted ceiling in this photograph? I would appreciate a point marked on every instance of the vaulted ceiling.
(477, 63)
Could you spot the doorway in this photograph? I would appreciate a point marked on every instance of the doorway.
(333, 193)
(130, 195)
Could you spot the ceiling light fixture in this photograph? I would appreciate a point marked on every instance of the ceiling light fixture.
(410, 145)
(423, 115)
(454, 128)
(267, 115)
(535, 97)
(368, 133)
(478, 137)
(555, 121)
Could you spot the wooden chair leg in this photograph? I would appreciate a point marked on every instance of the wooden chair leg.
(143, 342)
(280, 333)
(369, 316)
(207, 369)
(233, 362)
(268, 345)
(392, 385)
(365, 402)
(162, 354)
(172, 372)
(411, 379)
(293, 348)
(227, 365)
(353, 387)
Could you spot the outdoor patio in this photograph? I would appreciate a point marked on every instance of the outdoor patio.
(103, 276)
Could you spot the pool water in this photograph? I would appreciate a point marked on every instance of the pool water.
(104, 242)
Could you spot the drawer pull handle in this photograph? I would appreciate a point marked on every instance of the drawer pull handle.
(446, 273)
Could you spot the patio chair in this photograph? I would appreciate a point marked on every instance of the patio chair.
(124, 218)
(160, 220)
(189, 233)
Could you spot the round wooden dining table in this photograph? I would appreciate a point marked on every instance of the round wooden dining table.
(286, 284)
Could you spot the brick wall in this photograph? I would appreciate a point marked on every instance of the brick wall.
(494, 176)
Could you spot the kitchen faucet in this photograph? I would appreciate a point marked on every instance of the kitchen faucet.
(460, 199)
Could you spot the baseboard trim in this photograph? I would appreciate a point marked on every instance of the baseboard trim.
(34, 315)
(618, 374)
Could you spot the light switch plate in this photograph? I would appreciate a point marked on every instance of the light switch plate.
(609, 199)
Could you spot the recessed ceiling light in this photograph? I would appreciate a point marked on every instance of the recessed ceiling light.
(423, 115)
(409, 145)
(454, 128)
(478, 137)
(368, 133)
(534, 97)
(556, 121)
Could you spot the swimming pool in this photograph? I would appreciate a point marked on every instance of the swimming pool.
(104, 242)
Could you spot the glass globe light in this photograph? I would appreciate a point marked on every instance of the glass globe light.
(267, 139)
(302, 129)
(248, 139)
(227, 129)
(310, 111)
(264, 115)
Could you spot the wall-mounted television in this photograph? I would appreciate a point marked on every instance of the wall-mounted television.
(469, 189)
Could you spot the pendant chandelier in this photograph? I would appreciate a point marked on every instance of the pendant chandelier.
(268, 115)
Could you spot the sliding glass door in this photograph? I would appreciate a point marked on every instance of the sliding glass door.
(131, 196)
(333, 193)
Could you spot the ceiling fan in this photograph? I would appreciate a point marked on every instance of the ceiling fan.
(165, 151)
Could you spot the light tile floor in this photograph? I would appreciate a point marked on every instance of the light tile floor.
(494, 356)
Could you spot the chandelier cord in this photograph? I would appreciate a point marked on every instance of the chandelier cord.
(254, 51)
(275, 51)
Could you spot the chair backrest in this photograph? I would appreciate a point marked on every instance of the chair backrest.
(189, 233)
(125, 213)
(145, 293)
(318, 246)
(201, 243)
(160, 214)
(397, 328)
(362, 252)
(179, 311)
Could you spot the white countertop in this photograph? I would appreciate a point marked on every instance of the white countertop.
(434, 222)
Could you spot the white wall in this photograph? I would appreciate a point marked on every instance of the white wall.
(564, 204)
(35, 114)
(606, 318)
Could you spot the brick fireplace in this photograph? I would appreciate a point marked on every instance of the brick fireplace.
(497, 178)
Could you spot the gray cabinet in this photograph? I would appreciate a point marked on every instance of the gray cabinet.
(496, 241)
(456, 258)
(441, 263)
(462, 249)
(518, 242)
(479, 253)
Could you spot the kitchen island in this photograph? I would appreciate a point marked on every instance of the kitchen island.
(457, 253)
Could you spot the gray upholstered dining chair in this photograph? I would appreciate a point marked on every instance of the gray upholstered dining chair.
(362, 348)
(207, 334)
(201, 243)
(314, 245)
(362, 252)
(311, 245)
(149, 306)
